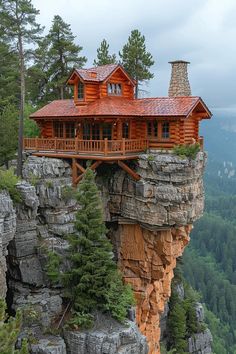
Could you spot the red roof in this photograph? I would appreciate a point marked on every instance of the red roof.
(99, 73)
(117, 106)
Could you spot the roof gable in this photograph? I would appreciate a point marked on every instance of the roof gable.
(98, 74)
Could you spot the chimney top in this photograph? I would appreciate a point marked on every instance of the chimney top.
(179, 61)
(179, 84)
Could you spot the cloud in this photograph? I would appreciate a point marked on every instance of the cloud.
(202, 32)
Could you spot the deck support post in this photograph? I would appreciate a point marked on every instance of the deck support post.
(129, 170)
(74, 172)
(123, 146)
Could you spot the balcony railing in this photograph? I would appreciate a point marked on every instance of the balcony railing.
(76, 146)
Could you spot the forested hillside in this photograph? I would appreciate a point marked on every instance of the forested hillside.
(210, 262)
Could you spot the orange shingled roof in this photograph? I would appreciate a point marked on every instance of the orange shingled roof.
(117, 106)
(99, 73)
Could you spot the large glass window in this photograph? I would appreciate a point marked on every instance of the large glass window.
(58, 129)
(165, 130)
(95, 132)
(114, 89)
(125, 130)
(152, 129)
(80, 91)
(107, 131)
(70, 129)
(86, 131)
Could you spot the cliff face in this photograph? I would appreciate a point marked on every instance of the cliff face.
(152, 220)
(149, 223)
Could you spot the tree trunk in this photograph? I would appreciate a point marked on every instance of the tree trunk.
(136, 89)
(22, 106)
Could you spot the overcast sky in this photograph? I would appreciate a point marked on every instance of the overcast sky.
(200, 31)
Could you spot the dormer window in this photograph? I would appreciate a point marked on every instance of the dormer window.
(114, 89)
(80, 90)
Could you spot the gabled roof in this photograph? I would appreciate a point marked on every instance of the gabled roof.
(99, 73)
(117, 106)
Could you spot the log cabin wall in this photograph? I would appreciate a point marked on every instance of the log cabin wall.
(47, 129)
(190, 130)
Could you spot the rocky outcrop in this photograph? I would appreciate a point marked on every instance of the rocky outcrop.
(152, 220)
(147, 260)
(7, 232)
(200, 343)
(113, 340)
(149, 222)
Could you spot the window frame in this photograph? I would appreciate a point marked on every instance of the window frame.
(112, 89)
(80, 92)
(158, 130)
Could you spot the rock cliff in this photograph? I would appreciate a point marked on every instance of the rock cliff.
(149, 224)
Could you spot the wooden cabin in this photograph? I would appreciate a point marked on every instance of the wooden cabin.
(104, 121)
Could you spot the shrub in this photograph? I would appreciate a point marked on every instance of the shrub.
(81, 320)
(8, 181)
(9, 331)
(187, 150)
(52, 267)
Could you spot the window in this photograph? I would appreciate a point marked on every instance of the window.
(165, 130)
(107, 131)
(70, 129)
(95, 132)
(80, 91)
(64, 130)
(152, 129)
(125, 130)
(86, 131)
(58, 129)
(114, 89)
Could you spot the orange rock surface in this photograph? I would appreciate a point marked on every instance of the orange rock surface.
(147, 260)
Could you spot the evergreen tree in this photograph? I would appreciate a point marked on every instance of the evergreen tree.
(93, 281)
(9, 331)
(103, 56)
(63, 54)
(9, 76)
(8, 134)
(18, 26)
(136, 60)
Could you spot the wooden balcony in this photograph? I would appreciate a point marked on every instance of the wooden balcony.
(87, 148)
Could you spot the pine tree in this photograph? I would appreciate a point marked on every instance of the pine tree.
(9, 331)
(18, 26)
(93, 270)
(136, 60)
(8, 134)
(103, 56)
(9, 75)
(63, 54)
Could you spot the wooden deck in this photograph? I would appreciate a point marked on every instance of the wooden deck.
(86, 149)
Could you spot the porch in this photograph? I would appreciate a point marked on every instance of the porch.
(90, 148)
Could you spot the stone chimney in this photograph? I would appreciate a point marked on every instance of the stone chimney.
(179, 84)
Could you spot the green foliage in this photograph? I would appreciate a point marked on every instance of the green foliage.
(31, 129)
(52, 267)
(9, 331)
(9, 91)
(81, 320)
(68, 192)
(8, 134)
(190, 151)
(92, 281)
(119, 297)
(55, 57)
(8, 181)
(135, 58)
(103, 56)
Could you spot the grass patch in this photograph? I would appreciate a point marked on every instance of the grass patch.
(190, 151)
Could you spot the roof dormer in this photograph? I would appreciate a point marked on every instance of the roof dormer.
(102, 81)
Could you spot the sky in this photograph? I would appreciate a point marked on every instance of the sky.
(202, 32)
